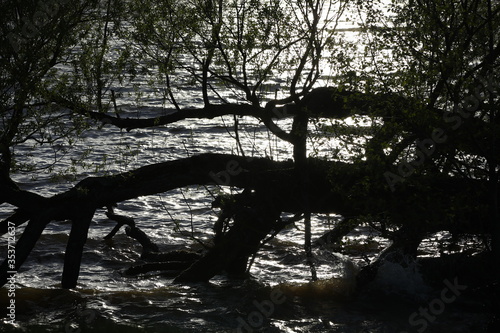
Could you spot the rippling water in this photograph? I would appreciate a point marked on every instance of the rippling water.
(278, 298)
(106, 299)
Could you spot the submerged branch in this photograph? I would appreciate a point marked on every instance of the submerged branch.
(272, 188)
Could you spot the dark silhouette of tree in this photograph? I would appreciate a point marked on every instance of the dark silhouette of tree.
(431, 82)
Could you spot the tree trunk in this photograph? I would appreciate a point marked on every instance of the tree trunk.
(231, 253)
(24, 245)
(74, 249)
(299, 133)
(328, 187)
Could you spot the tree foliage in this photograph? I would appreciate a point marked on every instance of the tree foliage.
(424, 74)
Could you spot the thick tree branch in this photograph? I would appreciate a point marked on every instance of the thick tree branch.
(324, 102)
(274, 188)
(212, 111)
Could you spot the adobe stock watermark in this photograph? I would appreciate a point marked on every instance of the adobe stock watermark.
(31, 27)
(420, 319)
(11, 266)
(427, 147)
(264, 309)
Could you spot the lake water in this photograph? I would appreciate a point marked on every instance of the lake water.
(278, 297)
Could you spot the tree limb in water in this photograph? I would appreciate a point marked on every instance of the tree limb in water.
(334, 188)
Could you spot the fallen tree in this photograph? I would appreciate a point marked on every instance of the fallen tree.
(205, 59)
(357, 190)
(270, 188)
